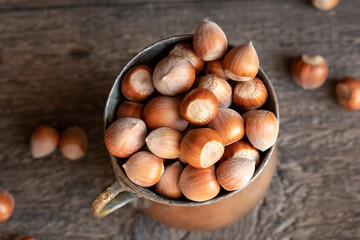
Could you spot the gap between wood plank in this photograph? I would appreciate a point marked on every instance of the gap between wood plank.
(70, 6)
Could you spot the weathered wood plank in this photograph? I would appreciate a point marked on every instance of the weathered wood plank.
(24, 5)
(59, 60)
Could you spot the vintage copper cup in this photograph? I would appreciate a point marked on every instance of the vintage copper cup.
(224, 209)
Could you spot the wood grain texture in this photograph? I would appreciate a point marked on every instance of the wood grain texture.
(58, 61)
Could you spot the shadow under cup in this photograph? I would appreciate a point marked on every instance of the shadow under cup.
(181, 213)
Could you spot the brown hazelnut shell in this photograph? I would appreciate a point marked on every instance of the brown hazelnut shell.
(44, 141)
(125, 136)
(173, 75)
(235, 173)
(216, 67)
(202, 147)
(199, 106)
(130, 109)
(164, 142)
(168, 183)
(242, 149)
(348, 93)
(250, 94)
(210, 42)
(241, 63)
(310, 72)
(261, 127)
(187, 51)
(199, 184)
(220, 87)
(137, 83)
(144, 168)
(164, 111)
(6, 205)
(73, 143)
(229, 124)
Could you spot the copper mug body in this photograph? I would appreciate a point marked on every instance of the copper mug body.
(220, 211)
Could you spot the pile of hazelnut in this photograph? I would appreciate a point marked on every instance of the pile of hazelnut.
(186, 121)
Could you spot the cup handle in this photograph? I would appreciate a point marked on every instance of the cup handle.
(111, 199)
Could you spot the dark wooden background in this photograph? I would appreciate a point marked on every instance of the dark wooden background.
(58, 60)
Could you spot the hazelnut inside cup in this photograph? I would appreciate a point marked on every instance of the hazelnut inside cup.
(195, 121)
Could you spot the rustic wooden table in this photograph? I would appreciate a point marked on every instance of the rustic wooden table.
(58, 60)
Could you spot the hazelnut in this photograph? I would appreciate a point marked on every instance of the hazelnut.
(241, 63)
(210, 42)
(130, 109)
(73, 143)
(144, 168)
(229, 124)
(242, 149)
(187, 51)
(261, 127)
(348, 93)
(164, 142)
(199, 106)
(173, 75)
(125, 136)
(220, 87)
(199, 184)
(168, 183)
(137, 83)
(325, 5)
(6, 205)
(217, 68)
(235, 173)
(164, 112)
(43, 141)
(310, 72)
(202, 147)
(250, 94)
